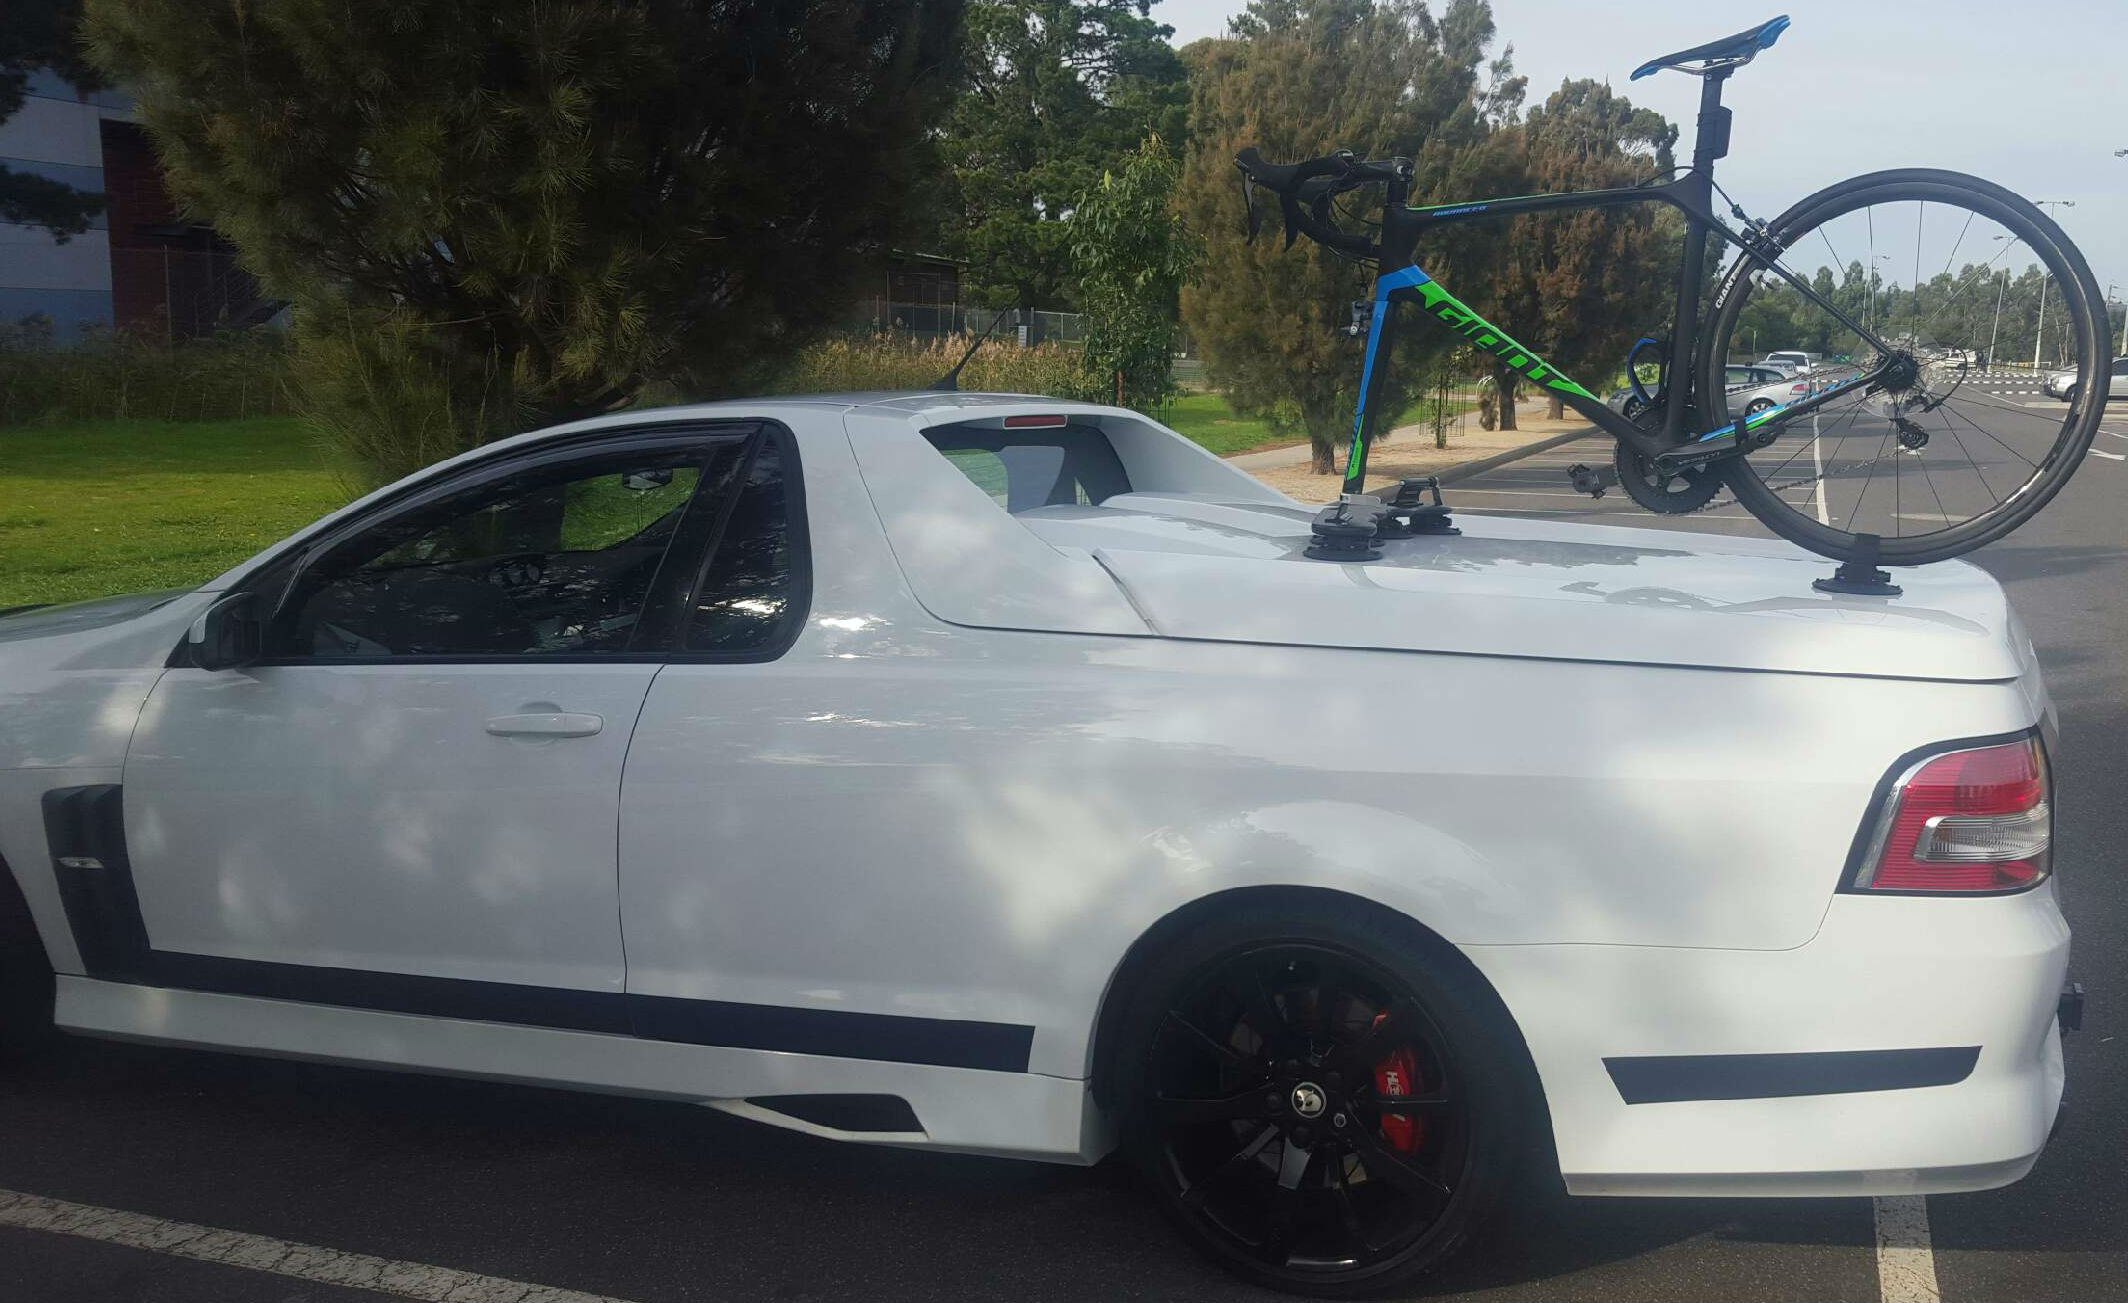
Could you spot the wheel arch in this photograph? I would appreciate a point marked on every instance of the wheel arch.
(1107, 1037)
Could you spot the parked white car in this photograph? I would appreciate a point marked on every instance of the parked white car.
(996, 774)
(1794, 363)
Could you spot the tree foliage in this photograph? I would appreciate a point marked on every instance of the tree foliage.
(1056, 91)
(1299, 78)
(531, 207)
(1580, 286)
(1133, 255)
(42, 34)
(1982, 306)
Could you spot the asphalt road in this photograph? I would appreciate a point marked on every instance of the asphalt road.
(651, 1201)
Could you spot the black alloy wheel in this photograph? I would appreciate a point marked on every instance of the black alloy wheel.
(1304, 1112)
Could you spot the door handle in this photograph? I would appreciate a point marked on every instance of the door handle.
(552, 723)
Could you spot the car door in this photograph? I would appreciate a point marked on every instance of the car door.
(410, 801)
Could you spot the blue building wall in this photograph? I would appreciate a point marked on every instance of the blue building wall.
(57, 134)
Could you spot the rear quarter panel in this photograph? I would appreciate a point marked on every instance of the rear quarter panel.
(906, 816)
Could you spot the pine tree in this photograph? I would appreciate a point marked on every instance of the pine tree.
(531, 208)
(1057, 91)
(1297, 79)
(1581, 286)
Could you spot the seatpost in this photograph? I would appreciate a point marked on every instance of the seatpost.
(1713, 139)
(1711, 143)
(1399, 239)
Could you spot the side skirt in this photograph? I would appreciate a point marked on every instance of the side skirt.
(1010, 1115)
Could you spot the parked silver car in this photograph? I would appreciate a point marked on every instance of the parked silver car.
(1761, 387)
(2062, 384)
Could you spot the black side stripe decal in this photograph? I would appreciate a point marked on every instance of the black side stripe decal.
(1677, 1078)
(86, 831)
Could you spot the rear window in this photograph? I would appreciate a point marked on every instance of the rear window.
(1025, 469)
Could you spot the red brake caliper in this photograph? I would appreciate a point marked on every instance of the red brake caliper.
(1397, 1077)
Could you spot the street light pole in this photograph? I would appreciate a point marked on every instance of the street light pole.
(2042, 331)
(2000, 291)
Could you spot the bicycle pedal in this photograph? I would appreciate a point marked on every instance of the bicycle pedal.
(1592, 480)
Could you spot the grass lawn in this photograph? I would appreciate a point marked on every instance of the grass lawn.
(128, 506)
(1206, 419)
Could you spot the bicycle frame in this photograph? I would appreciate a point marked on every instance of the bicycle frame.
(1691, 194)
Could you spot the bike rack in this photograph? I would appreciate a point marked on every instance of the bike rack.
(1860, 576)
(1350, 528)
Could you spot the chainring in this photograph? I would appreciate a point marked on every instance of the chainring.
(1667, 492)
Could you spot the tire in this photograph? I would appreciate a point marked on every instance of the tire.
(1758, 405)
(25, 979)
(2069, 395)
(2047, 461)
(1475, 1139)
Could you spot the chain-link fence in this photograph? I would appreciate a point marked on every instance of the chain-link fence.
(939, 320)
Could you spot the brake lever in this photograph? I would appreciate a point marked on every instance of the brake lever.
(1252, 220)
(1289, 209)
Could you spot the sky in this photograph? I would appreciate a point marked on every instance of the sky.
(1857, 86)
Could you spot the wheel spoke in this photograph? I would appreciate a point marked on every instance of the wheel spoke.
(1241, 1106)
(1259, 1009)
(1234, 1166)
(1293, 1165)
(1348, 1214)
(1227, 1055)
(1385, 1165)
(1393, 1026)
(1400, 1104)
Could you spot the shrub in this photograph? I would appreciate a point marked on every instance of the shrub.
(885, 362)
(120, 374)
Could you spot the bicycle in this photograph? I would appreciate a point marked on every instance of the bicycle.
(1682, 445)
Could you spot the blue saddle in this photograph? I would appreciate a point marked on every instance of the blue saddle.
(1725, 53)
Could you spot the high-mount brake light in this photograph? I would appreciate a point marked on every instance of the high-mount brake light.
(1977, 819)
(1036, 422)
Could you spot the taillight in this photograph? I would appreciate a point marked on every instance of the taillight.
(1976, 819)
(1799, 389)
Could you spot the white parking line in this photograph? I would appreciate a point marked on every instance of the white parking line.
(280, 1257)
(1906, 1255)
(1817, 463)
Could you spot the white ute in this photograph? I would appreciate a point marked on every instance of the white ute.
(995, 774)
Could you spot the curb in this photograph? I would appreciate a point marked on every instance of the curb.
(1465, 470)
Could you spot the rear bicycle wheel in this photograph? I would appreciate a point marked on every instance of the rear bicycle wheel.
(1951, 448)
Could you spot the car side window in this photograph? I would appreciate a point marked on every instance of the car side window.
(752, 590)
(1738, 375)
(556, 558)
(2120, 366)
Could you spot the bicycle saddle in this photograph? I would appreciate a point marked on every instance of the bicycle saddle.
(1728, 52)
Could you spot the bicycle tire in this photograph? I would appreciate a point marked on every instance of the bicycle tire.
(2064, 264)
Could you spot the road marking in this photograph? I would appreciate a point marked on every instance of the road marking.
(1906, 1255)
(2114, 456)
(280, 1257)
(1817, 463)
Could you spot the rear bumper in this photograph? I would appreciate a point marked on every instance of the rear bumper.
(1911, 1047)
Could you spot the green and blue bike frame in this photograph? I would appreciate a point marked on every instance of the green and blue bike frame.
(1676, 441)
